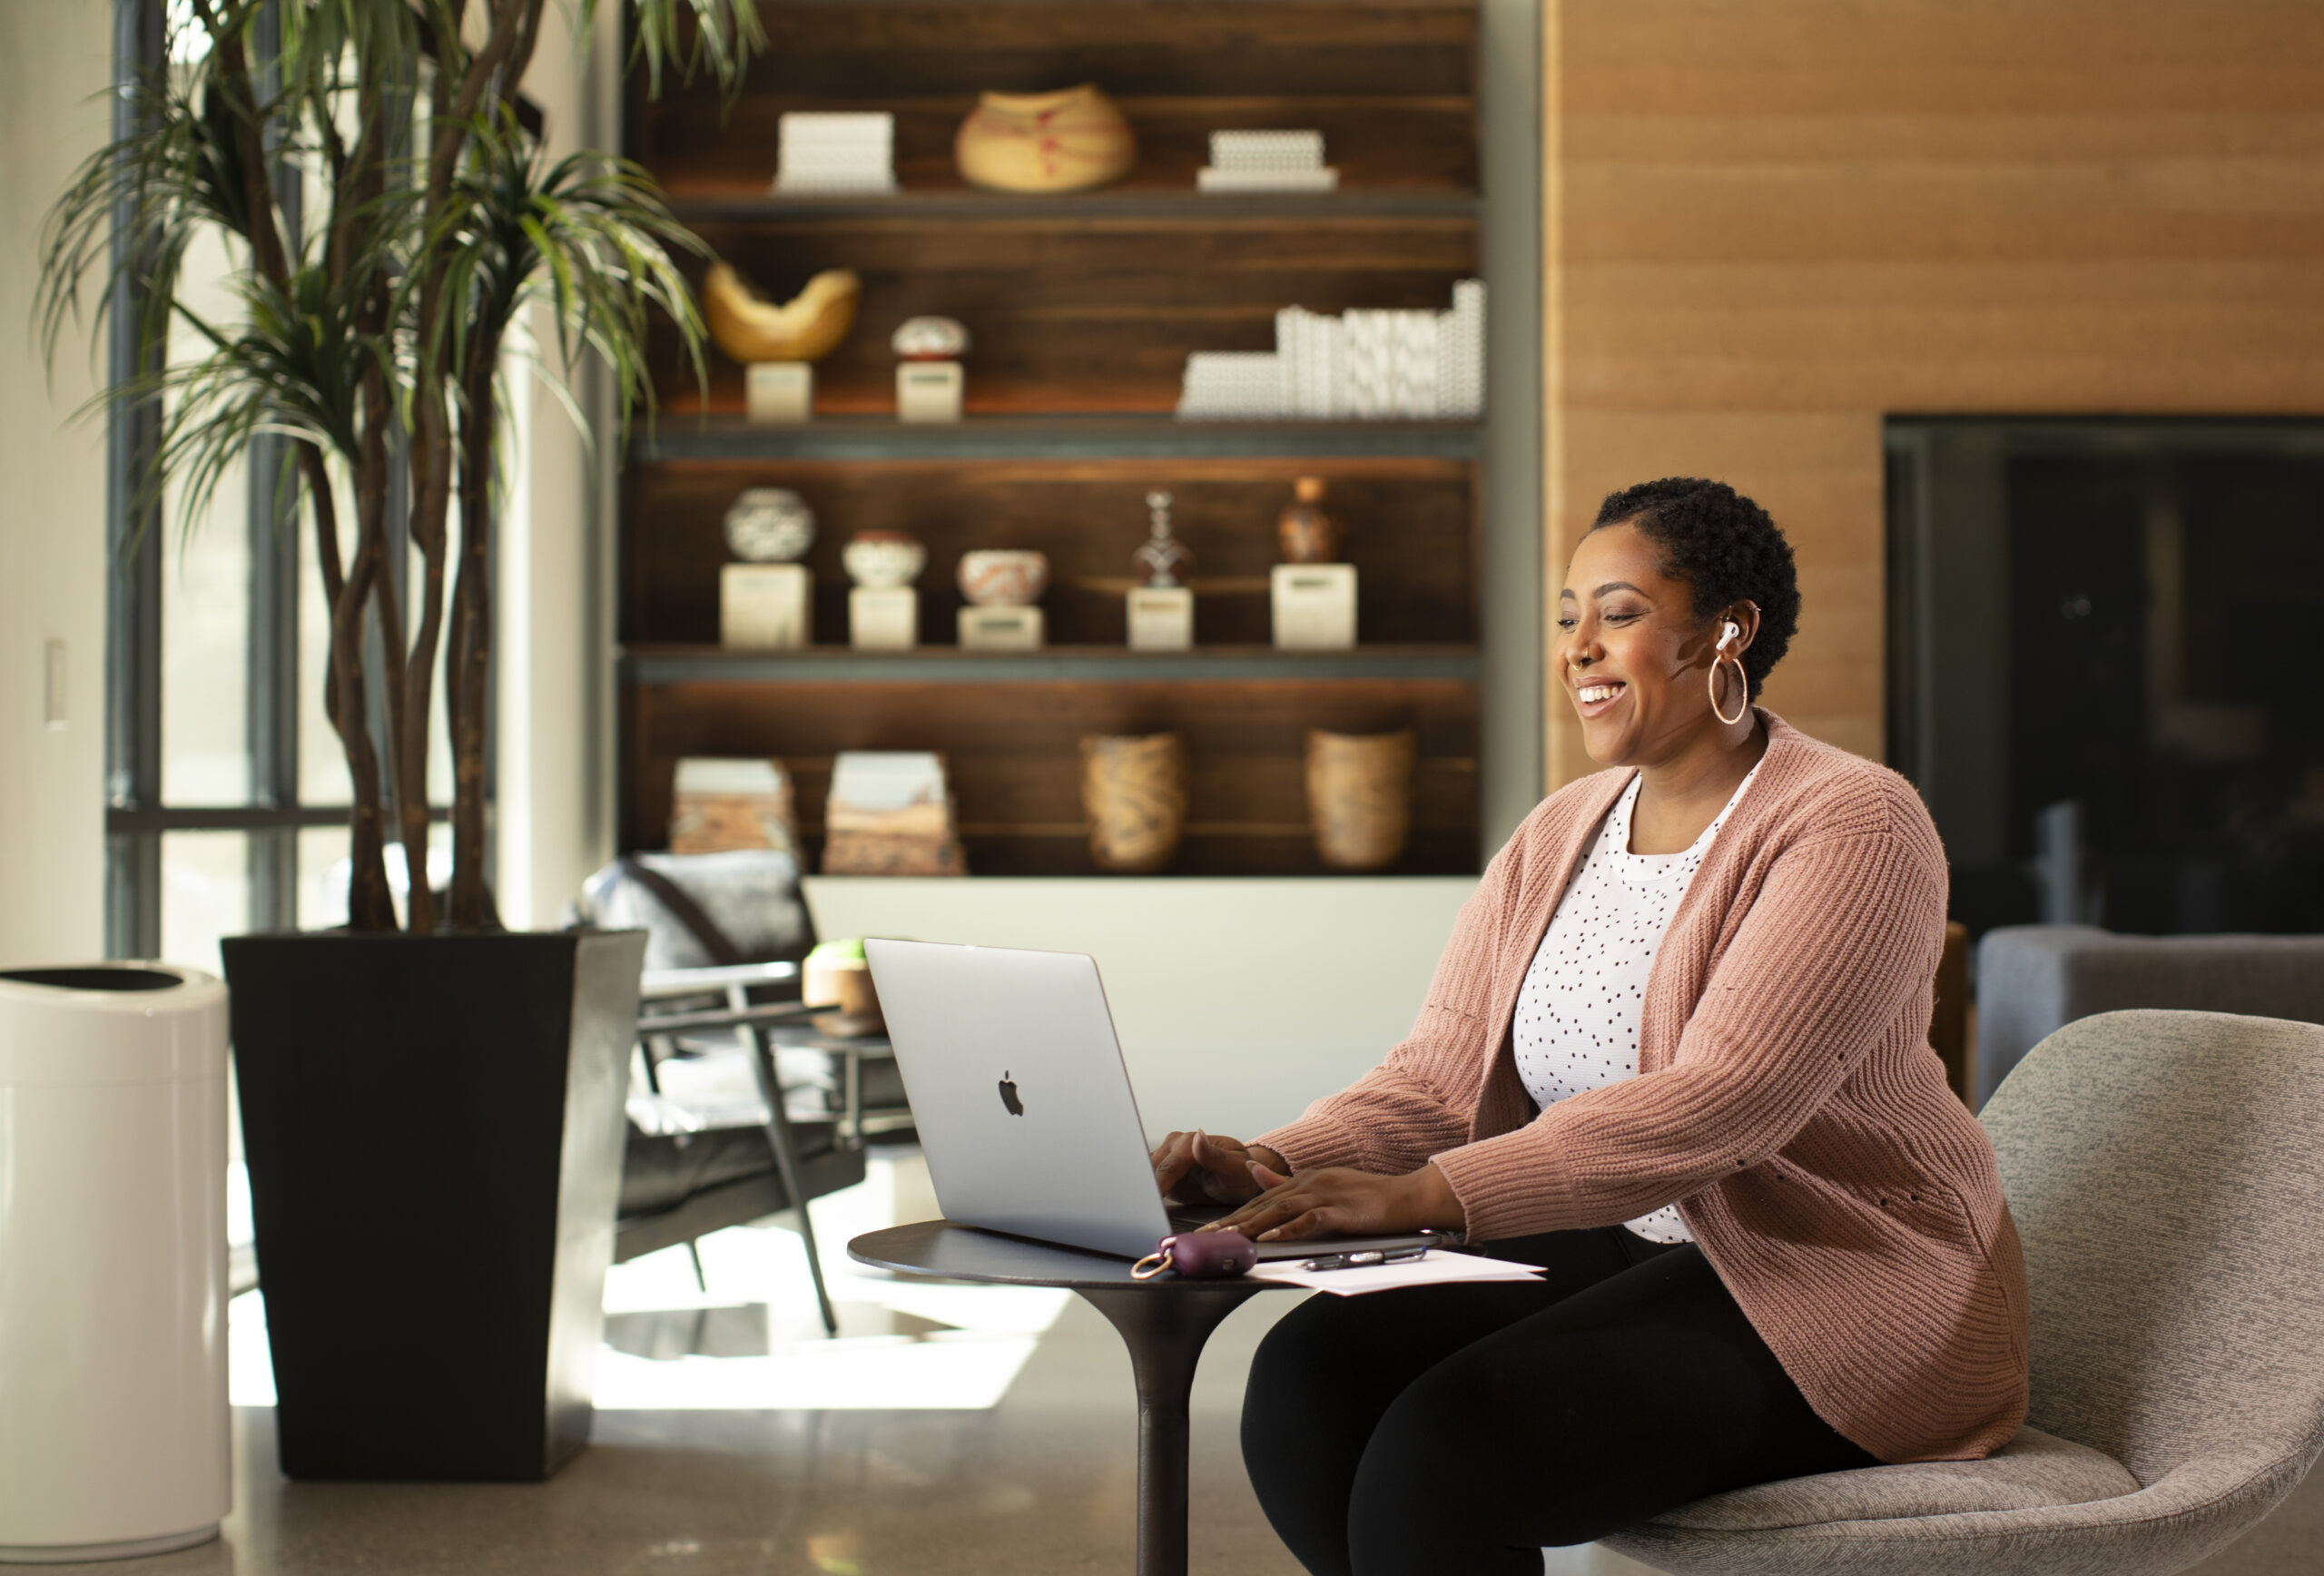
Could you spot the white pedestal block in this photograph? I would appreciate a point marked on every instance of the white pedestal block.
(780, 393)
(1314, 606)
(765, 607)
(883, 618)
(1002, 629)
(1161, 618)
(928, 391)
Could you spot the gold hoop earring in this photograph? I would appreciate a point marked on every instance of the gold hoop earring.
(1740, 712)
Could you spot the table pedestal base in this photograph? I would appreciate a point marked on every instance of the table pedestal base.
(1165, 1335)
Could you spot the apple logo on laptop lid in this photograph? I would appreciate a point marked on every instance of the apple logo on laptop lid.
(1015, 1107)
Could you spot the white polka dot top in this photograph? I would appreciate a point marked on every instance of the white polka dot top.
(1576, 1025)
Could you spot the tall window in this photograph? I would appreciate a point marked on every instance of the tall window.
(226, 790)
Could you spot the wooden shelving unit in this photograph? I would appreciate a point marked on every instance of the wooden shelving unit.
(1083, 307)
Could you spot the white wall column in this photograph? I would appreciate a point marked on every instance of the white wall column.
(55, 113)
(553, 825)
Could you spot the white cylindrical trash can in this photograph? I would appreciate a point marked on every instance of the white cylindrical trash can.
(113, 1419)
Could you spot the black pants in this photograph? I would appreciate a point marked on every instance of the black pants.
(1446, 1431)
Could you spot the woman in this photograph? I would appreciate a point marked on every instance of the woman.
(1676, 1053)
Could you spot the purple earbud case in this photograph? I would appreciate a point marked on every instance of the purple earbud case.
(1211, 1254)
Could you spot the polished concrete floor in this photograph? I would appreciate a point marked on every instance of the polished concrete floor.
(933, 1475)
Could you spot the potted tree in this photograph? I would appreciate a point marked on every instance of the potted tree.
(432, 1106)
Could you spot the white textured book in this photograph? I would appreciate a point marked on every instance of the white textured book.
(852, 152)
(1363, 365)
(1230, 182)
(1232, 386)
(1301, 150)
(1267, 162)
(1461, 354)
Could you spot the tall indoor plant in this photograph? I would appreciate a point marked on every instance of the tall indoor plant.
(433, 1108)
(371, 334)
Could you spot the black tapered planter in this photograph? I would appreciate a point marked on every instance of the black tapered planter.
(434, 1129)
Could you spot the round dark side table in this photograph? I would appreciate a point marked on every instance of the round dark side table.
(1164, 1322)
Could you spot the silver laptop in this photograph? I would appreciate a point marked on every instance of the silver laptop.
(1023, 1104)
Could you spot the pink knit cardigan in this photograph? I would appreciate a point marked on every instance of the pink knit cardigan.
(1786, 1100)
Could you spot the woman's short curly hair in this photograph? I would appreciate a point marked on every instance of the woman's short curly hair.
(1723, 546)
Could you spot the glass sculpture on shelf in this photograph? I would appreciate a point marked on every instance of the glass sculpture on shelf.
(1161, 559)
(1160, 611)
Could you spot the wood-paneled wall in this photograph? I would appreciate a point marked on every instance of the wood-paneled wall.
(1772, 222)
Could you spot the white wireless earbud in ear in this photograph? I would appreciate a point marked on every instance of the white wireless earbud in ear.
(1729, 633)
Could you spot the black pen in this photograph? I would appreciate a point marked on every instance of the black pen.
(1365, 1258)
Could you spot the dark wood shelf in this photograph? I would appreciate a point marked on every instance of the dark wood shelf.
(823, 665)
(1083, 307)
(1178, 208)
(679, 436)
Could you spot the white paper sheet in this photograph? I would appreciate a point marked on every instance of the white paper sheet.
(1439, 1268)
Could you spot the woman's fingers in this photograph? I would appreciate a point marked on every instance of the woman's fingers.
(1173, 1158)
(1333, 1199)
(1300, 1226)
(1198, 1164)
(1267, 1211)
(1221, 1162)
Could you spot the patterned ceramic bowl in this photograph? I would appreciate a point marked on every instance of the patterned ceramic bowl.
(878, 560)
(930, 339)
(1003, 576)
(769, 525)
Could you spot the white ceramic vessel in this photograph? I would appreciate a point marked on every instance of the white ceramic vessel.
(882, 560)
(769, 525)
(930, 339)
(1003, 576)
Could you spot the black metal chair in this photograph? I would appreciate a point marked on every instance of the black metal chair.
(691, 1173)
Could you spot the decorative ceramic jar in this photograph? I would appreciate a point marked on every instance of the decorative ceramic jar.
(930, 339)
(1360, 796)
(1044, 141)
(1306, 534)
(1135, 790)
(769, 525)
(1003, 576)
(881, 560)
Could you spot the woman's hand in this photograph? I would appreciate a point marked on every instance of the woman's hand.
(1352, 1203)
(1198, 1167)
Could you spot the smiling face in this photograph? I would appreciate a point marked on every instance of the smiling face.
(1633, 656)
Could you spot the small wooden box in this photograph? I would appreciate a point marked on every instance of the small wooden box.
(928, 391)
(1002, 629)
(1314, 606)
(883, 618)
(778, 393)
(718, 806)
(1161, 618)
(764, 606)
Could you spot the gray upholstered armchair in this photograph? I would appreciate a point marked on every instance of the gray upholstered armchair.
(2035, 979)
(2166, 1170)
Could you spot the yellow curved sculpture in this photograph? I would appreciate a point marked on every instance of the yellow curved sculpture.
(806, 328)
